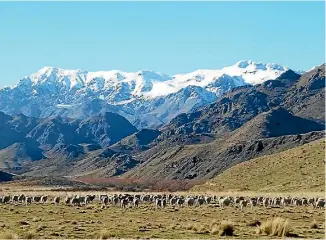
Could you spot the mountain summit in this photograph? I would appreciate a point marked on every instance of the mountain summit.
(146, 98)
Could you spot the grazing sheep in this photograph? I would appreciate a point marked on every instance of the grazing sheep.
(242, 204)
(44, 199)
(21, 198)
(161, 200)
(158, 203)
(297, 202)
(285, 201)
(123, 203)
(208, 199)
(67, 200)
(260, 200)
(312, 201)
(236, 200)
(173, 201)
(253, 202)
(276, 201)
(199, 201)
(37, 199)
(15, 198)
(266, 202)
(87, 199)
(169, 197)
(6, 199)
(105, 200)
(56, 200)
(224, 202)
(145, 198)
(190, 202)
(163, 203)
(180, 202)
(75, 201)
(102, 196)
(81, 199)
(115, 200)
(305, 201)
(136, 202)
(137, 196)
(28, 200)
(320, 203)
(91, 198)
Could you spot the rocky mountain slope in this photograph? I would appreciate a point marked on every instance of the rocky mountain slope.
(290, 91)
(145, 98)
(90, 162)
(5, 176)
(247, 122)
(25, 139)
(204, 161)
(297, 169)
(136, 142)
(244, 123)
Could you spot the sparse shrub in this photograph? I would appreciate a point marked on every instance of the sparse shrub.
(105, 235)
(275, 227)
(225, 228)
(22, 222)
(202, 229)
(40, 228)
(29, 235)
(36, 219)
(141, 184)
(61, 228)
(196, 227)
(314, 225)
(192, 227)
(8, 235)
(174, 227)
(215, 230)
(255, 223)
(55, 234)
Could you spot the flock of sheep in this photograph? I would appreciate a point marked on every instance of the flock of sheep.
(161, 201)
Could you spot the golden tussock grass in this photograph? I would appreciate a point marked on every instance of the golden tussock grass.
(224, 228)
(104, 234)
(29, 235)
(265, 174)
(275, 227)
(314, 225)
(66, 222)
(8, 235)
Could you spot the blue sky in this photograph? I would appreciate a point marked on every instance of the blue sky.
(170, 37)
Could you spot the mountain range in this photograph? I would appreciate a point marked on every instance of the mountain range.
(245, 117)
(147, 99)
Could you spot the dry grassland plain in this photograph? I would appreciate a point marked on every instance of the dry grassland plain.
(92, 221)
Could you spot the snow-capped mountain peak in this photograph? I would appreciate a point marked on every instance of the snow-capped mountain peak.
(151, 84)
(249, 64)
(146, 97)
(255, 73)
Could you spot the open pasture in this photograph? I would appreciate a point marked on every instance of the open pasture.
(94, 220)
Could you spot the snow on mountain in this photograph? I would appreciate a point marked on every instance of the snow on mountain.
(255, 73)
(146, 98)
